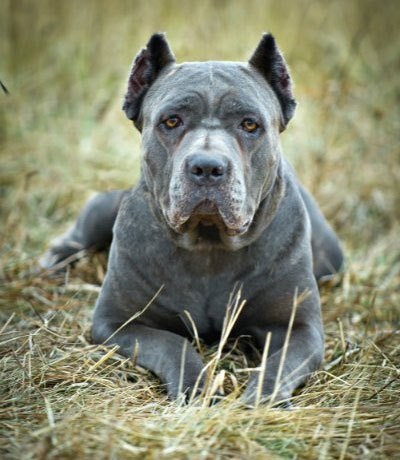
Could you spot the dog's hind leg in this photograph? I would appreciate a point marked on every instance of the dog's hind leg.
(92, 230)
(327, 253)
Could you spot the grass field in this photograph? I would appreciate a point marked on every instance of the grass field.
(63, 136)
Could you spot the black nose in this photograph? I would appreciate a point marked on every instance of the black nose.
(205, 169)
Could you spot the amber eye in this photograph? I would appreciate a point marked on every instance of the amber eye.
(249, 125)
(172, 122)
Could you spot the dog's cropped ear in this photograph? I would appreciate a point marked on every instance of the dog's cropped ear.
(268, 60)
(145, 69)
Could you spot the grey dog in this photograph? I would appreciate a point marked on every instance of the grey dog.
(216, 206)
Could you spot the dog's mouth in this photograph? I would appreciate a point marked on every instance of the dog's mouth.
(209, 223)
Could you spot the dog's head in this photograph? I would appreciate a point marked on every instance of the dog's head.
(210, 140)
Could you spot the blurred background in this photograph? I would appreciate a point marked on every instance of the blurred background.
(63, 134)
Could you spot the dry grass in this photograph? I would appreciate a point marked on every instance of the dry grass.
(62, 135)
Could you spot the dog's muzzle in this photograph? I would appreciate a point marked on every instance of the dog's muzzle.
(207, 191)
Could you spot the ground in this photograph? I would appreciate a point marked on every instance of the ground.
(63, 136)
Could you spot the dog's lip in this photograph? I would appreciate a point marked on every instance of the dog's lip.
(237, 231)
(210, 214)
(207, 213)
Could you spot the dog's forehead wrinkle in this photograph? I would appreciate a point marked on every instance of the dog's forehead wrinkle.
(216, 89)
(211, 88)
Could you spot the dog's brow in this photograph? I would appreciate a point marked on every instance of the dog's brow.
(185, 103)
(231, 107)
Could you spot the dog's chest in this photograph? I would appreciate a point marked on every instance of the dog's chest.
(196, 284)
(196, 291)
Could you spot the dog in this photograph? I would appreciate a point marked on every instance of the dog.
(216, 206)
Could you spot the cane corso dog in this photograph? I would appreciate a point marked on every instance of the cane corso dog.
(216, 206)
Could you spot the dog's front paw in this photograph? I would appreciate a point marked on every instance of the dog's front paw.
(192, 389)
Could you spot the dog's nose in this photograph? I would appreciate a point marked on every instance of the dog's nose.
(206, 170)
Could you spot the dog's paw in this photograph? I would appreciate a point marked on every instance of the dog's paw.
(62, 252)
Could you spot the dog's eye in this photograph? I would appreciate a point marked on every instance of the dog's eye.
(249, 125)
(172, 122)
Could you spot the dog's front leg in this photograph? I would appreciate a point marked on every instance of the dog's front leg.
(171, 357)
(286, 368)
